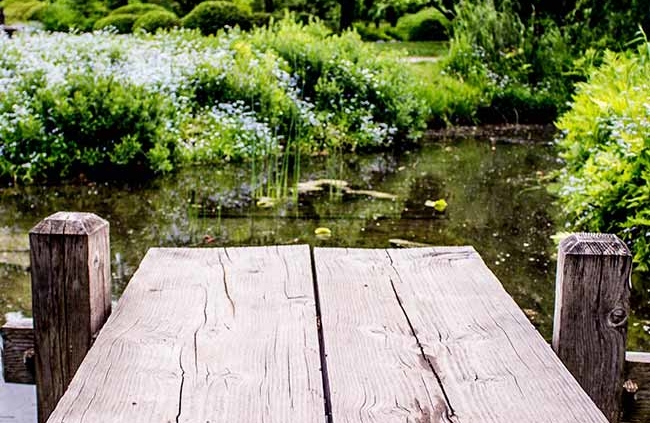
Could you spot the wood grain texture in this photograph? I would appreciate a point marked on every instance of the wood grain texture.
(71, 297)
(430, 335)
(592, 303)
(18, 351)
(636, 401)
(206, 335)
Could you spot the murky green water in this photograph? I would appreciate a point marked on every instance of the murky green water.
(496, 195)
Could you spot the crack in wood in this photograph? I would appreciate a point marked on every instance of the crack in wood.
(180, 391)
(225, 283)
(321, 343)
(449, 413)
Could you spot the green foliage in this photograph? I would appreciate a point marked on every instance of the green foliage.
(426, 25)
(122, 23)
(86, 124)
(152, 21)
(21, 11)
(369, 32)
(138, 9)
(60, 16)
(260, 19)
(212, 16)
(71, 102)
(355, 87)
(605, 141)
(65, 15)
(523, 71)
(35, 11)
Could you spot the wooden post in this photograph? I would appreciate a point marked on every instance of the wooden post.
(71, 298)
(18, 351)
(592, 303)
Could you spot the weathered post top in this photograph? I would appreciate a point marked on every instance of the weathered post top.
(69, 223)
(595, 244)
(71, 297)
(592, 303)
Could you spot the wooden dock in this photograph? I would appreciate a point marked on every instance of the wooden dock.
(292, 334)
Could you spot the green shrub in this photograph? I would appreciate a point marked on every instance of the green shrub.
(123, 23)
(97, 100)
(426, 25)
(356, 87)
(61, 17)
(152, 21)
(170, 5)
(17, 11)
(605, 142)
(87, 124)
(138, 9)
(34, 13)
(211, 16)
(524, 72)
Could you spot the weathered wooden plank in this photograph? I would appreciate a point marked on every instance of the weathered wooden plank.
(18, 351)
(206, 335)
(636, 395)
(592, 302)
(71, 297)
(430, 335)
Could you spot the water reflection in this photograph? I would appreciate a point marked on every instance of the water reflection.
(496, 195)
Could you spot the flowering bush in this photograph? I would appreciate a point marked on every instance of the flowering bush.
(605, 141)
(77, 102)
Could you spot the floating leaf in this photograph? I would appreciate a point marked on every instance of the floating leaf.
(323, 233)
(439, 205)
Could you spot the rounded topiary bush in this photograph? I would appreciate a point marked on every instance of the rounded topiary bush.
(211, 16)
(122, 23)
(152, 21)
(138, 9)
(426, 25)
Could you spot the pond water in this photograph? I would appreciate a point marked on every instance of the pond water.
(496, 195)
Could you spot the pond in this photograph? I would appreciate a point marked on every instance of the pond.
(495, 190)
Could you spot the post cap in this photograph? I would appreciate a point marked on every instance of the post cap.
(594, 244)
(69, 223)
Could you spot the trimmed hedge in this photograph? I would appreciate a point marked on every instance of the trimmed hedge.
(122, 23)
(211, 16)
(426, 25)
(138, 9)
(152, 21)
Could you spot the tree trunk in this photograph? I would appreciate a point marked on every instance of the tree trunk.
(269, 7)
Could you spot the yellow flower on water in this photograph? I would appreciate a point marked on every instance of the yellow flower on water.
(439, 205)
